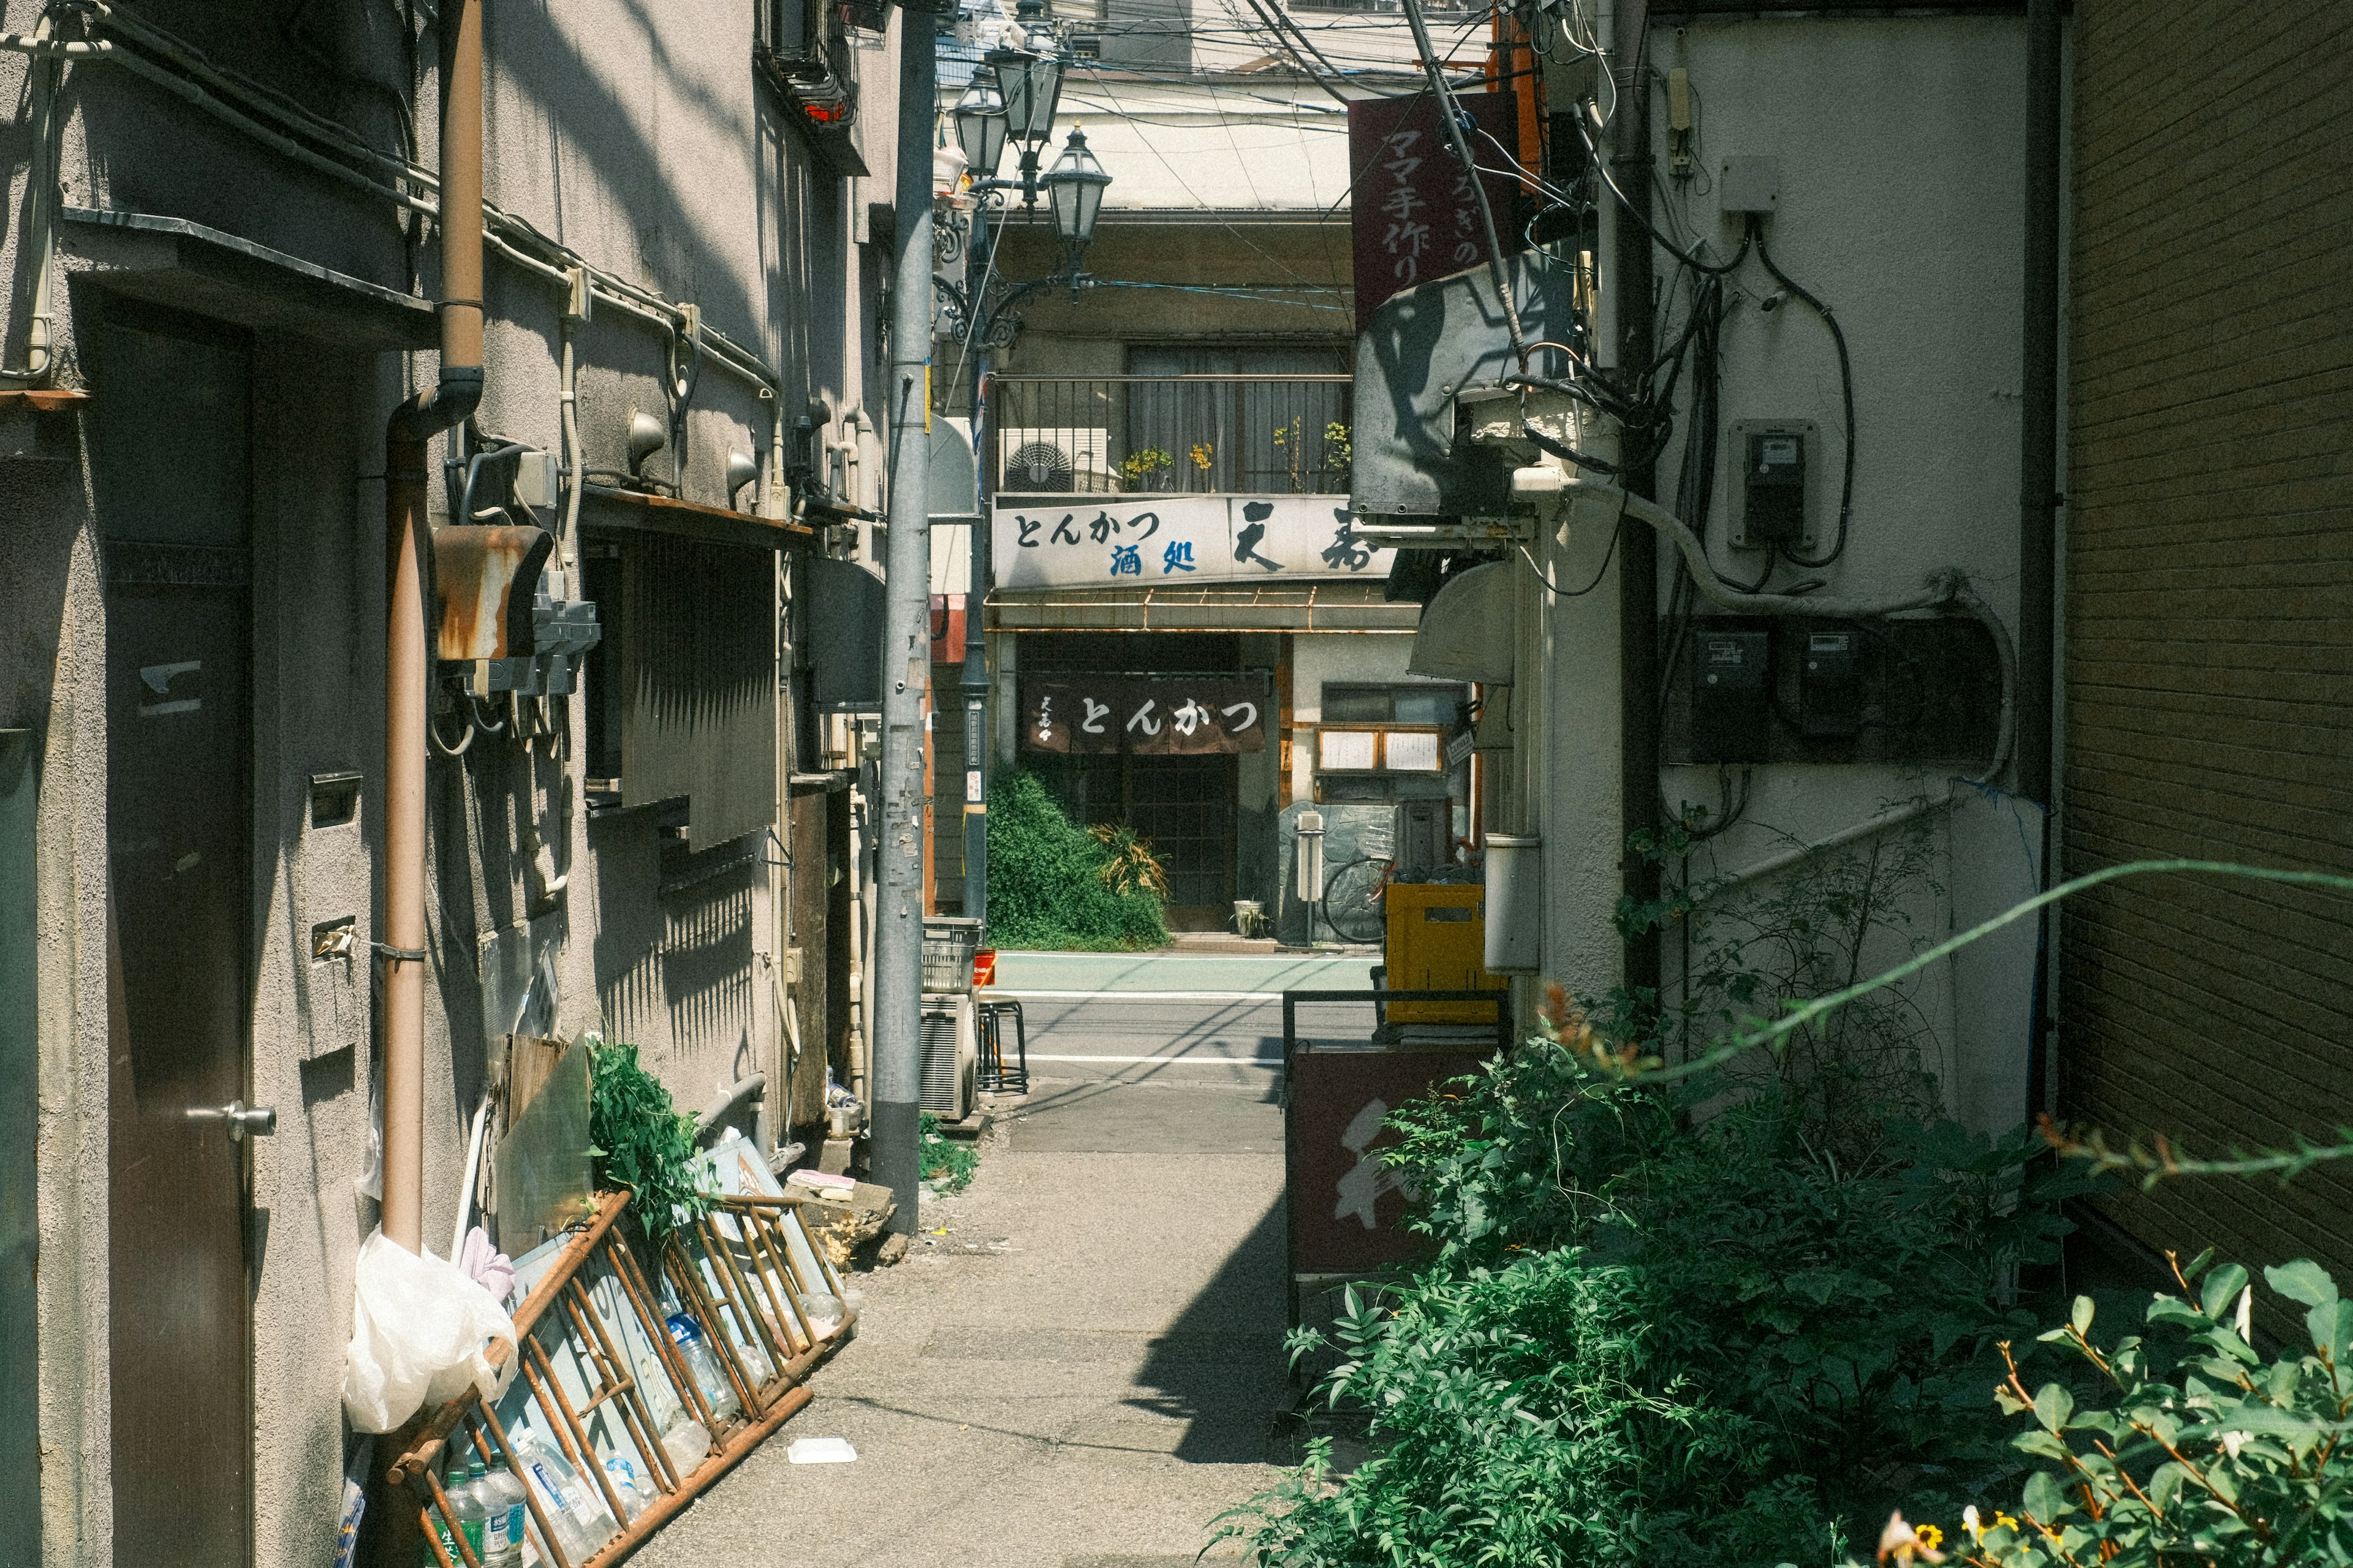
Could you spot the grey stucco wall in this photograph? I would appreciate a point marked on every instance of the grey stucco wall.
(638, 136)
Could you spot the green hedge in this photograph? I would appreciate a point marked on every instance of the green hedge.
(1046, 886)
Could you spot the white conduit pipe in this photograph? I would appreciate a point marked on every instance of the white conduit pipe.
(473, 1177)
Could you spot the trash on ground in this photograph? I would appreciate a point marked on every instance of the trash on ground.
(821, 1451)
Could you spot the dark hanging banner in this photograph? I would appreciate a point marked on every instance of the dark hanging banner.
(1413, 216)
(1148, 715)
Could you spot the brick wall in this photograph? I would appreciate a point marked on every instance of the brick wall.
(2209, 669)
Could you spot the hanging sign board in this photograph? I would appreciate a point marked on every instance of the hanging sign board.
(1414, 216)
(1045, 541)
(1146, 715)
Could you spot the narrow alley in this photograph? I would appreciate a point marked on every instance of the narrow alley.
(1079, 1365)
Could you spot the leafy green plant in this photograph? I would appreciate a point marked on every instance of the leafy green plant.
(1713, 1316)
(641, 1141)
(948, 1162)
(1045, 883)
(2188, 1445)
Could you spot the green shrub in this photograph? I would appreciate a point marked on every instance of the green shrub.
(948, 1162)
(641, 1140)
(1046, 882)
(1731, 1315)
(2191, 1446)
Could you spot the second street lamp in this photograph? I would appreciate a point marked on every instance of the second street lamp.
(980, 128)
(1075, 191)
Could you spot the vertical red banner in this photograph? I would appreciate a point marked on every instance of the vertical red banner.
(1413, 216)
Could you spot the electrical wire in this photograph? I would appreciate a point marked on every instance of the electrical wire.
(1846, 398)
(1557, 592)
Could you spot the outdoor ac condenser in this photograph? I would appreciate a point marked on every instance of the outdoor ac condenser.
(1052, 459)
(949, 1042)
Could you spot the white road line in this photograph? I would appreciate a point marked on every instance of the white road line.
(1178, 1061)
(997, 994)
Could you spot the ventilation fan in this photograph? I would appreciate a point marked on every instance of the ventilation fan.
(1039, 466)
(1049, 460)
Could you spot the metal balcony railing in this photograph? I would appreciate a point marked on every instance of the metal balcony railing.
(1161, 435)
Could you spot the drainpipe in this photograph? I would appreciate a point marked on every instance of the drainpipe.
(1629, 149)
(2038, 482)
(407, 661)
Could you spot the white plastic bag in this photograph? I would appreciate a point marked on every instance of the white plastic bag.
(421, 1331)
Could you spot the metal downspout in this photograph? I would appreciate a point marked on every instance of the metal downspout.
(407, 664)
(1637, 571)
(2038, 487)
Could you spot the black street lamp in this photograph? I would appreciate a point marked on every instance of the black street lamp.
(980, 127)
(1029, 89)
(1074, 192)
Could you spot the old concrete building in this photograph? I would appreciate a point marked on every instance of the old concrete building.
(221, 279)
(1192, 401)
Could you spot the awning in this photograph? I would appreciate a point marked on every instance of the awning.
(605, 508)
(1335, 606)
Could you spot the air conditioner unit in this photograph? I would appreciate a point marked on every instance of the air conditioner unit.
(1049, 459)
(949, 1046)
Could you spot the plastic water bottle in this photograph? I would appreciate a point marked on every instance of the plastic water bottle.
(465, 1518)
(503, 1511)
(578, 1513)
(718, 1390)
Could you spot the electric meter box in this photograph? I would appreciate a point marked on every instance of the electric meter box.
(1731, 694)
(1771, 466)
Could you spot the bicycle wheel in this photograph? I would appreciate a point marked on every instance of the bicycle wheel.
(1356, 901)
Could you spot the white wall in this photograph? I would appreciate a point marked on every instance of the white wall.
(1901, 207)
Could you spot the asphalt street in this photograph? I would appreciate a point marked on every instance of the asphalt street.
(1079, 1365)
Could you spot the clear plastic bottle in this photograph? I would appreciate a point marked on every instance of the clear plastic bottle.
(465, 1518)
(703, 1362)
(571, 1501)
(503, 1512)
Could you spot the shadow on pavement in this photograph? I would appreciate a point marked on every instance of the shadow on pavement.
(1220, 1367)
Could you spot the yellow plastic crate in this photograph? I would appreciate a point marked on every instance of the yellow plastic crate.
(1436, 940)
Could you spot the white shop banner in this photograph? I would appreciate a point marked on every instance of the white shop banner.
(1095, 542)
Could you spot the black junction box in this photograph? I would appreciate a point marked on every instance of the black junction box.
(1731, 695)
(1775, 505)
(1830, 695)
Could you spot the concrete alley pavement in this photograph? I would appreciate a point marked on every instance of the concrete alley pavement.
(1080, 1363)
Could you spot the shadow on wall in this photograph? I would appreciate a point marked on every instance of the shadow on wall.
(1221, 1368)
(678, 963)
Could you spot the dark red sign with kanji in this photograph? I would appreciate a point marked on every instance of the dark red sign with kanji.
(1148, 715)
(1413, 216)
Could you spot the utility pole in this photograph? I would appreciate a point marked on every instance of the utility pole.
(1629, 150)
(898, 957)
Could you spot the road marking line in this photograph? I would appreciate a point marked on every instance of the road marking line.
(998, 994)
(1221, 1061)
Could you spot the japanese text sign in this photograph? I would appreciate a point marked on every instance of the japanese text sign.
(1148, 715)
(1413, 215)
(1112, 541)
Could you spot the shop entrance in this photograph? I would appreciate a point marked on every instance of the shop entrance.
(169, 453)
(1187, 807)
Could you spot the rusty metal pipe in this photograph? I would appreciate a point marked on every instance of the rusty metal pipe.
(408, 667)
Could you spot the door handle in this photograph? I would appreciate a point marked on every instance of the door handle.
(240, 1119)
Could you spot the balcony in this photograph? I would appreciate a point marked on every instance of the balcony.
(1170, 435)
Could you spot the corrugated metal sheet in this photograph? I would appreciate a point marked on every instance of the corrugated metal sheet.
(699, 669)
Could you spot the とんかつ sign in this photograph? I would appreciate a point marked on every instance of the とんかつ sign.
(1146, 715)
(1123, 540)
